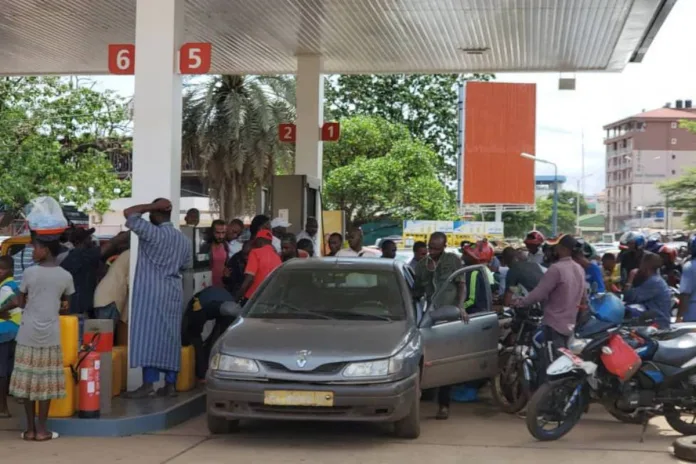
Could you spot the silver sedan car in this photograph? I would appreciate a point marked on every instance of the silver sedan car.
(344, 340)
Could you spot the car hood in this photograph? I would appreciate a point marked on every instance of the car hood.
(281, 340)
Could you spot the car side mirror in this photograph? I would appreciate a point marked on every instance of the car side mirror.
(230, 309)
(445, 314)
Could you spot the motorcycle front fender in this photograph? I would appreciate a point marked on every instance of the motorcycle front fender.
(564, 366)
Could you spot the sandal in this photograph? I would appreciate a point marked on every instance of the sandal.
(50, 437)
(25, 436)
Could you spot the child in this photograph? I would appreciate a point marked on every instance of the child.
(38, 364)
(612, 272)
(10, 318)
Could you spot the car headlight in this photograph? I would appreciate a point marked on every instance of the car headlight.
(227, 363)
(576, 345)
(382, 367)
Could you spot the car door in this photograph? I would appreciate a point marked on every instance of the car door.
(456, 352)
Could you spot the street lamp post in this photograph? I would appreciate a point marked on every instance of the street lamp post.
(554, 214)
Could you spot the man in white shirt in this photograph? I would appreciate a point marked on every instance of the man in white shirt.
(310, 232)
(355, 243)
(234, 237)
(279, 227)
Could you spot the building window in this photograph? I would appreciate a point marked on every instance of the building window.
(677, 214)
(674, 141)
(674, 125)
(673, 172)
(674, 156)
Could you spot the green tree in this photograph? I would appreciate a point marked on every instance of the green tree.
(391, 175)
(52, 131)
(681, 193)
(425, 103)
(520, 223)
(230, 131)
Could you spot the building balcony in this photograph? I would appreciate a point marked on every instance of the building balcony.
(123, 165)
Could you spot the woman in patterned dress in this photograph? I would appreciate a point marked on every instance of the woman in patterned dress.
(38, 371)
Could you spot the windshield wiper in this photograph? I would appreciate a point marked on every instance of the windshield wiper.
(297, 310)
(362, 314)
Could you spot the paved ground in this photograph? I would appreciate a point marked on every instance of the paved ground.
(475, 431)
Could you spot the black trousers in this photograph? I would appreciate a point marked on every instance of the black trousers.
(553, 340)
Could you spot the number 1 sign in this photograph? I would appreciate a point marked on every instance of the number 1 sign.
(121, 59)
(330, 132)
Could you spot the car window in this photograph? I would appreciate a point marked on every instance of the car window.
(330, 294)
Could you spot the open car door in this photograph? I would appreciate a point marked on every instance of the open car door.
(455, 351)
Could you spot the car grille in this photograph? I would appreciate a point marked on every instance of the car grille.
(315, 411)
(330, 368)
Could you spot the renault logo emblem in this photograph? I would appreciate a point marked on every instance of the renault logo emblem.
(302, 358)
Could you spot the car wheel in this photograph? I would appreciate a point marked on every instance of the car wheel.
(685, 448)
(409, 426)
(220, 425)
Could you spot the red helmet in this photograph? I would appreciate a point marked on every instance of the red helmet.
(669, 251)
(534, 238)
(484, 251)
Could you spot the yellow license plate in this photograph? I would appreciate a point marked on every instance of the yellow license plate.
(298, 398)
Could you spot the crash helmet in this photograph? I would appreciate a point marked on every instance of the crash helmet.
(669, 251)
(692, 246)
(534, 238)
(587, 250)
(653, 245)
(632, 237)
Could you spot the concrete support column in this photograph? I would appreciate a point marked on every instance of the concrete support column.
(159, 31)
(310, 116)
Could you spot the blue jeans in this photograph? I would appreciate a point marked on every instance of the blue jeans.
(152, 375)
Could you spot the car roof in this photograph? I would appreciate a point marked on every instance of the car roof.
(372, 264)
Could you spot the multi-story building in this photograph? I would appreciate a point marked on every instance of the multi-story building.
(642, 151)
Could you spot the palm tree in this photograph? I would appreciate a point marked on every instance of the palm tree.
(230, 132)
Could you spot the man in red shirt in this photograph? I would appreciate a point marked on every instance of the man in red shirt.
(218, 251)
(263, 259)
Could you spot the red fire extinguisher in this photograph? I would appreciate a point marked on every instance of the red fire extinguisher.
(86, 374)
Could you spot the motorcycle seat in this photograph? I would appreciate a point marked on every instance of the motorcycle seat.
(592, 327)
(677, 351)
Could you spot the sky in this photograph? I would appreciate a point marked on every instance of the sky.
(667, 73)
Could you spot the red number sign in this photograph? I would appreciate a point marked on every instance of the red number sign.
(195, 58)
(330, 131)
(121, 58)
(287, 132)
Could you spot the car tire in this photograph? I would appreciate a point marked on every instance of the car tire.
(409, 426)
(685, 448)
(221, 426)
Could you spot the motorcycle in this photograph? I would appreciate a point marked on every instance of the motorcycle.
(630, 370)
(516, 378)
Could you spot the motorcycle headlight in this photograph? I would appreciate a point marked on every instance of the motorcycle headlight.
(382, 367)
(576, 345)
(227, 363)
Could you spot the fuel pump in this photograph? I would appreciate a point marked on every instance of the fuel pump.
(294, 198)
(198, 275)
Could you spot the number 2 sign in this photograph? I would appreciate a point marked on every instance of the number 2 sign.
(121, 59)
(287, 132)
(195, 58)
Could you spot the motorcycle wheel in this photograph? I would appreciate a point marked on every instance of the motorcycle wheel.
(507, 387)
(546, 406)
(674, 418)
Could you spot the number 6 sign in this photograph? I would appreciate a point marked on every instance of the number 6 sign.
(121, 58)
(195, 58)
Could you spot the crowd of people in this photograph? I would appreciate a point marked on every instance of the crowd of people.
(75, 274)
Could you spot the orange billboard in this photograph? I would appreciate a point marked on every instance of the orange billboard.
(499, 124)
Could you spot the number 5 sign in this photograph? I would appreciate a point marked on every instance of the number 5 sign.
(121, 58)
(195, 58)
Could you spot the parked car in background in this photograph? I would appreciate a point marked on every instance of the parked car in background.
(361, 348)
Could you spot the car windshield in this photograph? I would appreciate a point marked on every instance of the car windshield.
(338, 294)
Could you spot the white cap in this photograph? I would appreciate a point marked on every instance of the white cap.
(279, 222)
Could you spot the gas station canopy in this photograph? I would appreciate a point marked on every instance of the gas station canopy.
(352, 36)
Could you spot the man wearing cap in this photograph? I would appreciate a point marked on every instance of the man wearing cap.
(279, 227)
(562, 288)
(263, 259)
